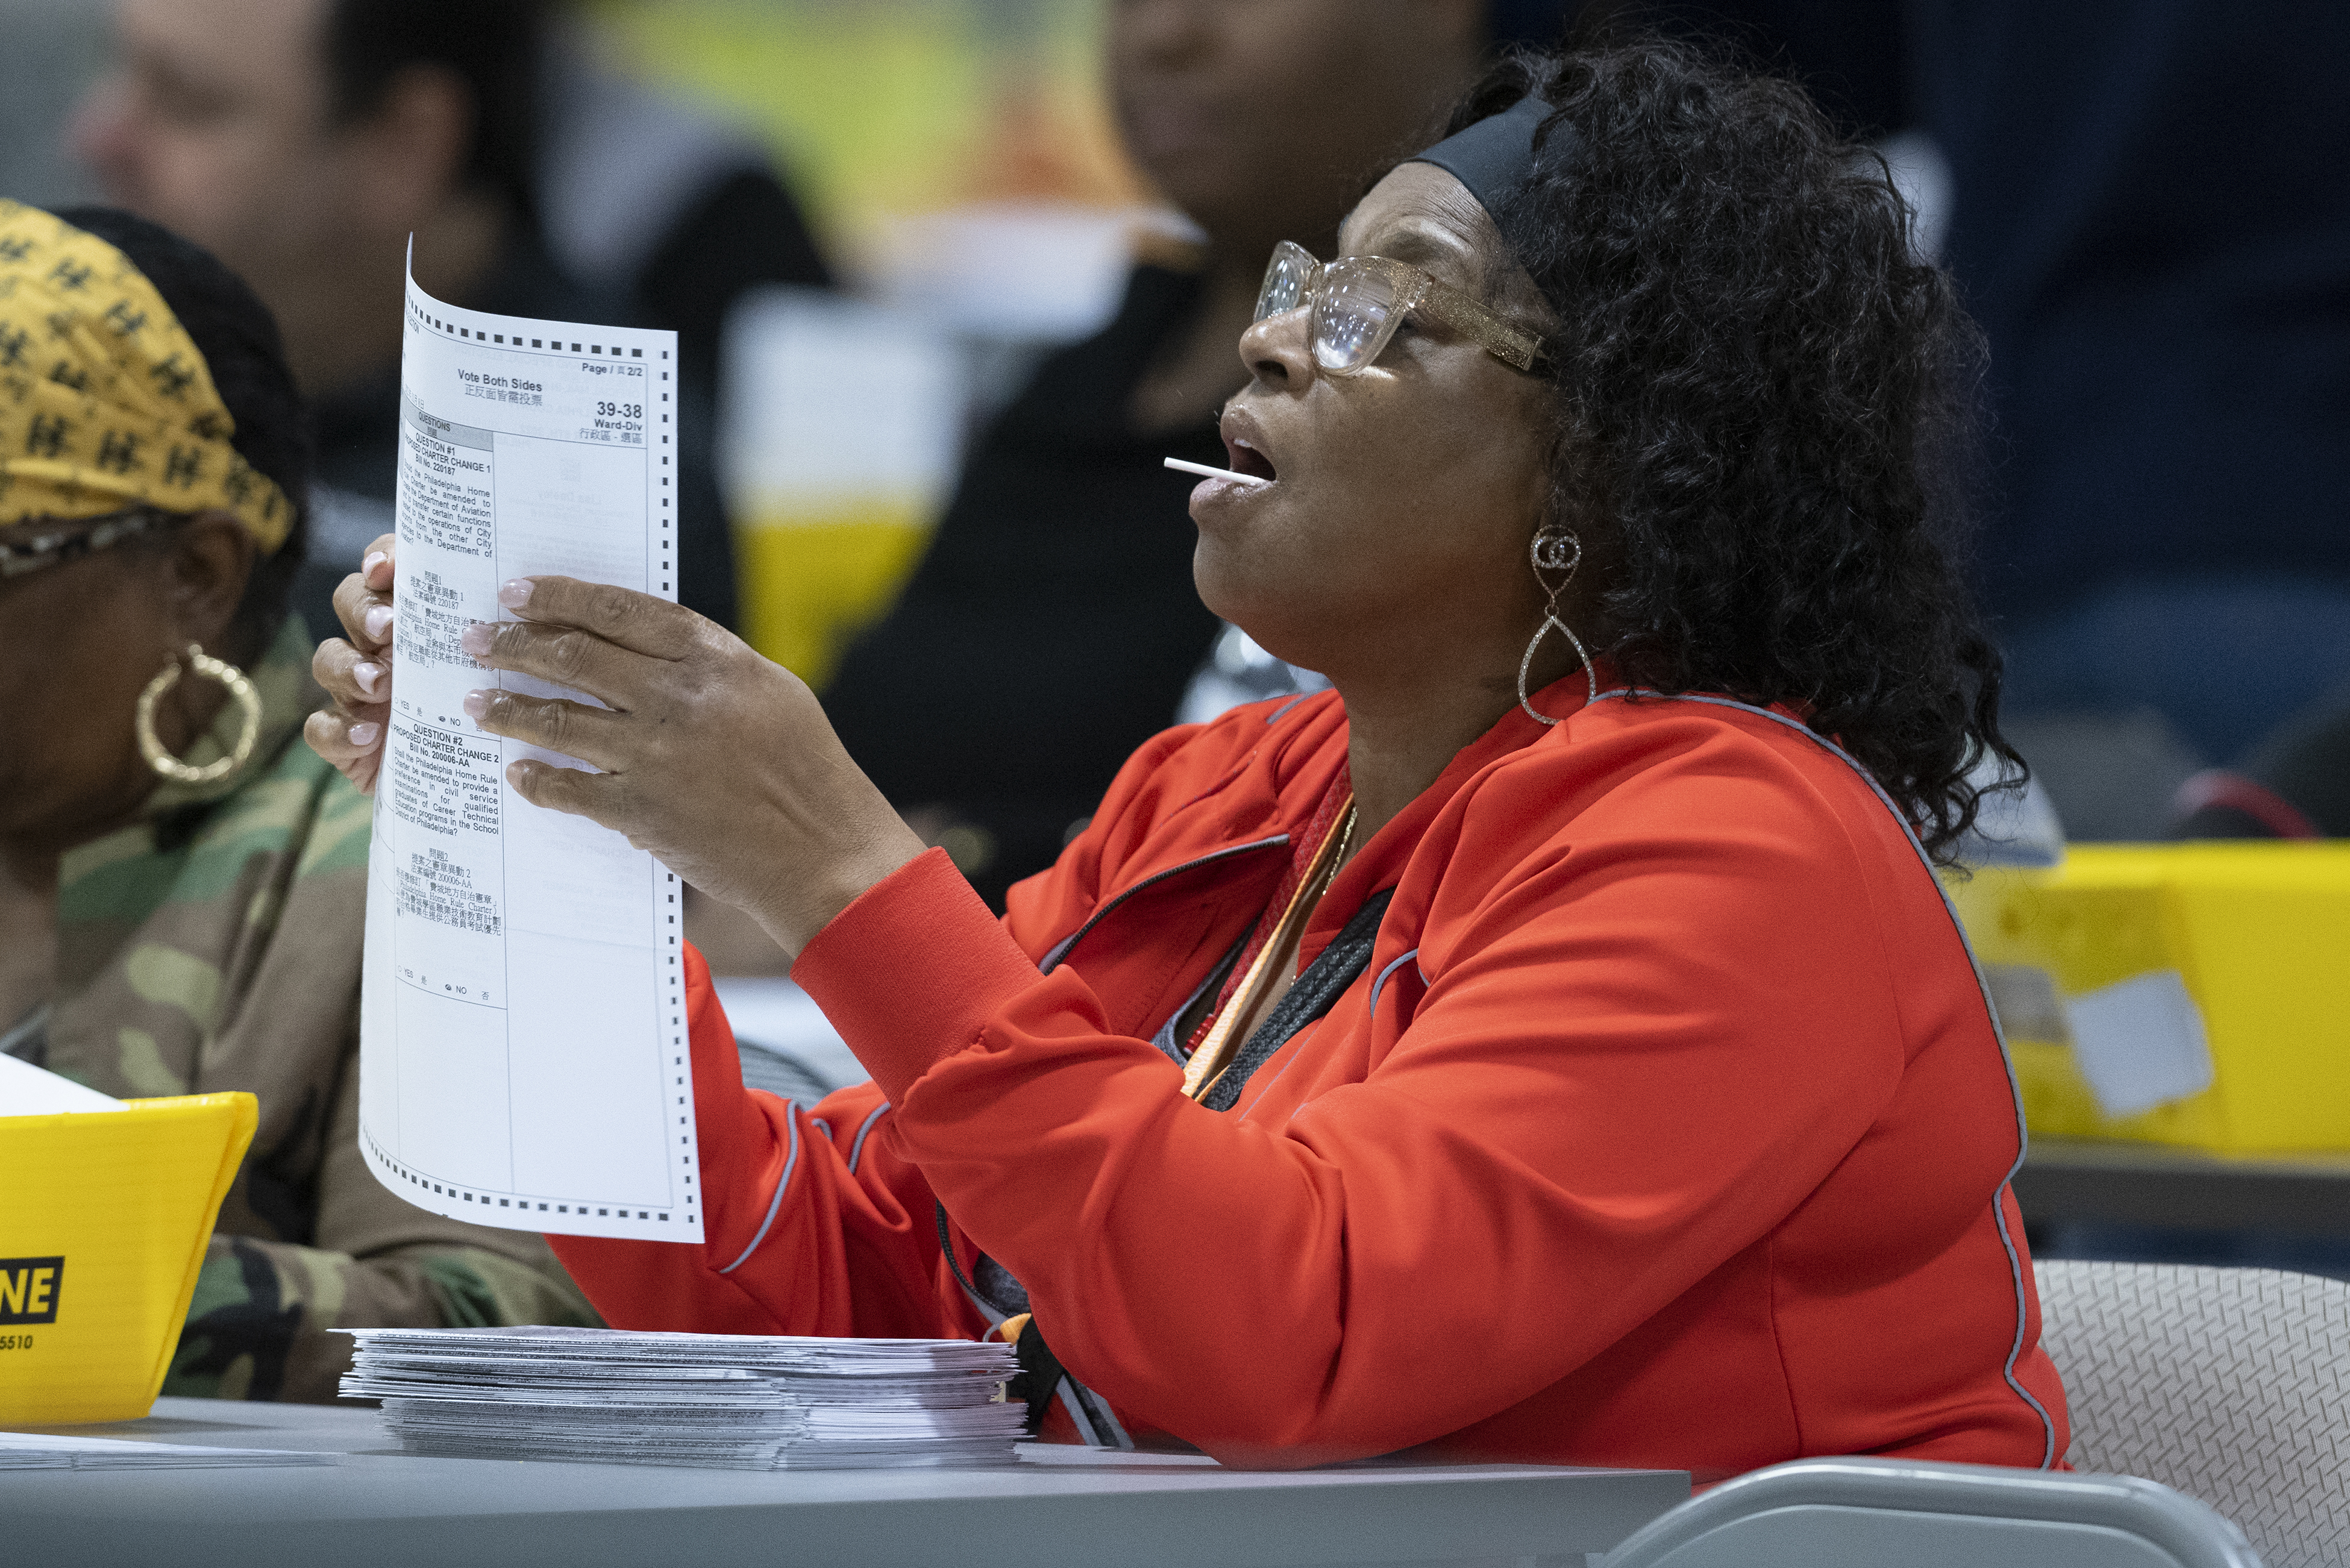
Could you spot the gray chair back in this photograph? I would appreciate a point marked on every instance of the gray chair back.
(1878, 1513)
(2230, 1384)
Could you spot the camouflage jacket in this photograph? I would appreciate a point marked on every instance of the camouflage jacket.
(216, 945)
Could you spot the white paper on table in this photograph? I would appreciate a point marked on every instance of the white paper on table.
(1036, 1453)
(40, 1450)
(523, 1044)
(29, 1091)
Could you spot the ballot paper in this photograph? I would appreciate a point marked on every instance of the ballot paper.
(522, 1058)
(715, 1400)
(40, 1451)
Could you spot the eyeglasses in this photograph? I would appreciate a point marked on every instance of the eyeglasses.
(1359, 301)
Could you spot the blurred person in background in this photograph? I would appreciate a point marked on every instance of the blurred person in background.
(1052, 625)
(648, 198)
(2294, 785)
(304, 141)
(644, 195)
(54, 45)
(182, 887)
(2154, 234)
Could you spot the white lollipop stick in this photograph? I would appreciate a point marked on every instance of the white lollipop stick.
(1203, 470)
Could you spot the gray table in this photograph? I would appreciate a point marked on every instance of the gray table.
(381, 1507)
(2150, 1184)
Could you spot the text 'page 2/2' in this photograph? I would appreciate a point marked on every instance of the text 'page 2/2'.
(522, 1040)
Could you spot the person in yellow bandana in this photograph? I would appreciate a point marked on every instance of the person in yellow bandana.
(182, 884)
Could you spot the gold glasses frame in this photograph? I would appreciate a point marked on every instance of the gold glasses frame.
(1295, 278)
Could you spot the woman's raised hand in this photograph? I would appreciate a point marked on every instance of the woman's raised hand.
(357, 672)
(719, 763)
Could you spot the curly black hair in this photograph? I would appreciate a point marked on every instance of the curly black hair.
(1766, 409)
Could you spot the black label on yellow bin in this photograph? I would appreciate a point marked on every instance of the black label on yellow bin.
(29, 1289)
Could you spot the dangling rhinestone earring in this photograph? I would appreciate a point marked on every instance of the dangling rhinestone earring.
(1554, 550)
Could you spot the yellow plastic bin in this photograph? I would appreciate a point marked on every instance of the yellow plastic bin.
(2136, 948)
(103, 1222)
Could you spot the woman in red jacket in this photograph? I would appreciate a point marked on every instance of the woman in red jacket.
(1499, 1056)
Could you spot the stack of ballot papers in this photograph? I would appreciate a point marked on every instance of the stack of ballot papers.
(724, 1400)
(37, 1451)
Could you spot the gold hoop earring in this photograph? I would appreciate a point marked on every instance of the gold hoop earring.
(1556, 550)
(150, 745)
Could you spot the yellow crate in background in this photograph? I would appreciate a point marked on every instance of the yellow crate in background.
(2107, 968)
(810, 579)
(844, 427)
(103, 1221)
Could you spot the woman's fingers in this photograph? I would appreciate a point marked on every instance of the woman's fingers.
(376, 565)
(582, 794)
(344, 738)
(550, 723)
(352, 678)
(357, 673)
(637, 622)
(608, 642)
(365, 609)
(709, 756)
(353, 745)
(561, 655)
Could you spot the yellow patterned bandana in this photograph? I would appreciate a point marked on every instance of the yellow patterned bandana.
(105, 403)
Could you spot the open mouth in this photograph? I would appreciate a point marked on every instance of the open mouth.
(1246, 458)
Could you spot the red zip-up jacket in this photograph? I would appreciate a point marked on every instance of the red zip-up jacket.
(1668, 1125)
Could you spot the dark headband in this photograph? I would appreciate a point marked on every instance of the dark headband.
(1495, 156)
